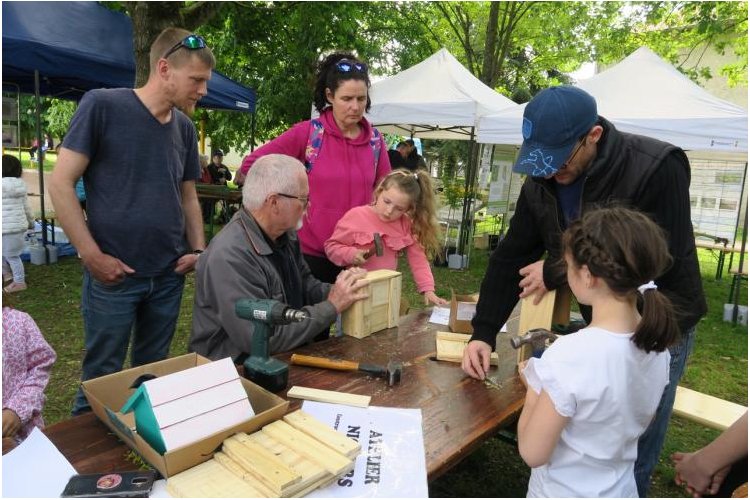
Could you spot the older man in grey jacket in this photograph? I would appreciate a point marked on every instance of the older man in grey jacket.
(257, 255)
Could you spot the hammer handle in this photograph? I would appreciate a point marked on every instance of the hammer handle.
(331, 364)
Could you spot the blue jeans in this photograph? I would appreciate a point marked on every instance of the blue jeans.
(651, 442)
(147, 307)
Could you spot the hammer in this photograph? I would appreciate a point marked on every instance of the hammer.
(392, 372)
(536, 338)
(377, 246)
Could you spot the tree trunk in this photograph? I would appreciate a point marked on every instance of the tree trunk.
(490, 44)
(150, 18)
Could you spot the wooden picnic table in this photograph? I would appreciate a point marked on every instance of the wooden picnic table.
(722, 249)
(458, 413)
(217, 193)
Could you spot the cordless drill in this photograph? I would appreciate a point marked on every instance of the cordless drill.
(265, 314)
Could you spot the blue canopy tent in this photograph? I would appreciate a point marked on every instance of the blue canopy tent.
(63, 49)
(79, 46)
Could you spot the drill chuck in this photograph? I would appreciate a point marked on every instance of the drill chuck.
(294, 315)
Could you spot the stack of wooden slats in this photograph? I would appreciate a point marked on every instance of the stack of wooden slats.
(286, 458)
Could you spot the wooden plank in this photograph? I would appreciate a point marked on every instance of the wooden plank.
(210, 480)
(324, 433)
(450, 347)
(324, 396)
(235, 468)
(707, 410)
(334, 462)
(553, 308)
(262, 464)
(313, 474)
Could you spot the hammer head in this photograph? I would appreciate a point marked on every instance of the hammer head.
(378, 242)
(534, 337)
(393, 372)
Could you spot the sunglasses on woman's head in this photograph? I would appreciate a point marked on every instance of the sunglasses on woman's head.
(190, 42)
(347, 66)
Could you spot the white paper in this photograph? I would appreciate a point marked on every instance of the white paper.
(466, 311)
(440, 315)
(159, 490)
(35, 468)
(392, 460)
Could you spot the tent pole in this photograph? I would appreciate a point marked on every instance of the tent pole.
(467, 216)
(739, 214)
(203, 134)
(40, 156)
(252, 131)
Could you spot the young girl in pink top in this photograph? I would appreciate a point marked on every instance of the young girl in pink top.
(27, 361)
(403, 213)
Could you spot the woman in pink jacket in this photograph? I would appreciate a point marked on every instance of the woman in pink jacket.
(344, 155)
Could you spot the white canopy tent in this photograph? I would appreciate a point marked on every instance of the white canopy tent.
(644, 94)
(435, 99)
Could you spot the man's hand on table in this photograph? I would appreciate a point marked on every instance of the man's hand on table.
(476, 361)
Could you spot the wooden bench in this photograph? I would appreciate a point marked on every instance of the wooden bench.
(721, 247)
(707, 410)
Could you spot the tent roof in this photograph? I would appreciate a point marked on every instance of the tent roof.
(79, 46)
(644, 94)
(439, 93)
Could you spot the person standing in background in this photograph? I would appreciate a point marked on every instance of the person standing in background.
(341, 152)
(17, 218)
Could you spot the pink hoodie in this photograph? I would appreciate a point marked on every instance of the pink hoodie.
(343, 176)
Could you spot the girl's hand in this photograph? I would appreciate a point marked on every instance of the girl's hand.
(359, 258)
(431, 298)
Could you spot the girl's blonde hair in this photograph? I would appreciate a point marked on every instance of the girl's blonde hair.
(418, 186)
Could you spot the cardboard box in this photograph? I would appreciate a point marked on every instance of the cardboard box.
(108, 394)
(184, 407)
(463, 309)
(380, 310)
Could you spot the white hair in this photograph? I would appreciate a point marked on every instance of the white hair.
(270, 174)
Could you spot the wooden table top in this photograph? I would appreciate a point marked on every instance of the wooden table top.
(458, 413)
(218, 192)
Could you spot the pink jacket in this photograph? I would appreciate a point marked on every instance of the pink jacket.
(27, 361)
(355, 232)
(343, 175)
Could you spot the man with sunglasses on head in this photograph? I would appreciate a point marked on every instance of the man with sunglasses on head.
(577, 161)
(138, 154)
(257, 255)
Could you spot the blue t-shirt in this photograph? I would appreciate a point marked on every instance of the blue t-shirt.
(134, 178)
(569, 198)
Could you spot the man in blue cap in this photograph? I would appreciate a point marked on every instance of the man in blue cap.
(577, 161)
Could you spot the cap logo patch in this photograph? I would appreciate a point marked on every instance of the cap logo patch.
(542, 164)
(526, 128)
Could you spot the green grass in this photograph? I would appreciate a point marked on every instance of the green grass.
(50, 159)
(718, 366)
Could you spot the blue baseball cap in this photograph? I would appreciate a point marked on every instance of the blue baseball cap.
(553, 122)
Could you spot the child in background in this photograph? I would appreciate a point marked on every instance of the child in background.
(27, 361)
(403, 213)
(593, 393)
(17, 218)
